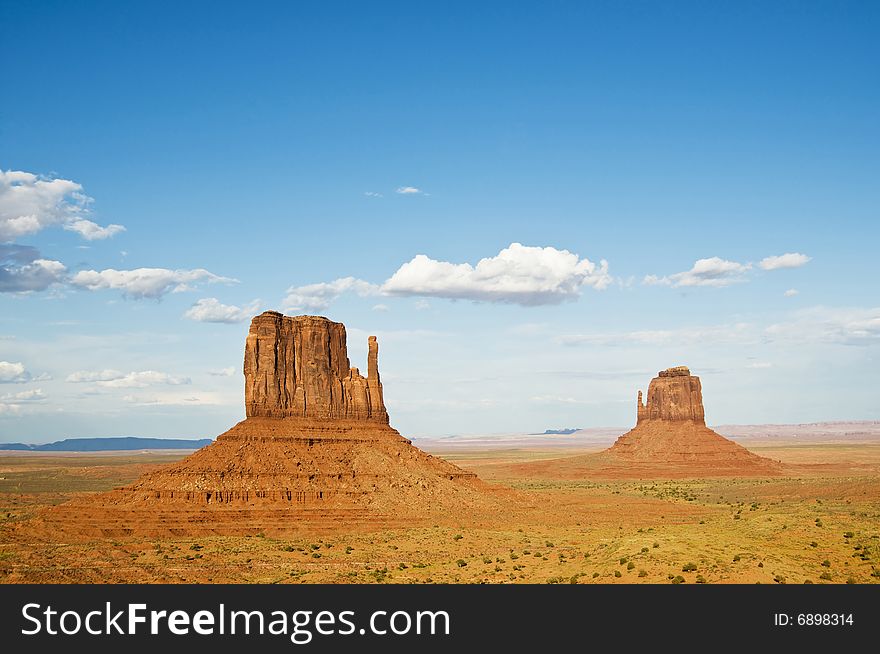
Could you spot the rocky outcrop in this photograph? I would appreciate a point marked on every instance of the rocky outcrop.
(298, 367)
(315, 452)
(674, 395)
(671, 439)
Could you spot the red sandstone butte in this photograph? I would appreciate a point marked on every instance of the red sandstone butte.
(671, 434)
(315, 452)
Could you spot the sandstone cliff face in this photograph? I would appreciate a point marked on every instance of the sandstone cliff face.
(673, 395)
(299, 367)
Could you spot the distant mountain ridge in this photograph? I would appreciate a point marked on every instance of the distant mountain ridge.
(558, 432)
(109, 444)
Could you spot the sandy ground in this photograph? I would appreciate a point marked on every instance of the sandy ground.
(819, 522)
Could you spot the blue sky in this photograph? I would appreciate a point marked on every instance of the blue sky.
(252, 155)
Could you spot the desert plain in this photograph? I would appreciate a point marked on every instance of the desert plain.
(818, 521)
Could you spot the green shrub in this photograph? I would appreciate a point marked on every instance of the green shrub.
(617, 574)
(457, 537)
(622, 560)
(678, 579)
(643, 573)
(595, 574)
(656, 545)
(700, 579)
(689, 567)
(848, 534)
(825, 576)
(644, 549)
(736, 557)
(826, 563)
(630, 565)
(461, 563)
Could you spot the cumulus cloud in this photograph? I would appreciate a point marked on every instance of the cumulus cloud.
(373, 194)
(92, 231)
(13, 373)
(210, 309)
(713, 271)
(22, 270)
(409, 190)
(30, 203)
(143, 283)
(716, 271)
(519, 274)
(316, 297)
(791, 292)
(788, 260)
(116, 379)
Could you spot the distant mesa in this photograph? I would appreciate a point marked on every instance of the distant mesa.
(117, 444)
(670, 440)
(315, 452)
(558, 432)
(671, 434)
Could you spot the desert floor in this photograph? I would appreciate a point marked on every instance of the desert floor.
(819, 523)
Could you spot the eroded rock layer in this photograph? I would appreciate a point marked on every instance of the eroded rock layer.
(299, 367)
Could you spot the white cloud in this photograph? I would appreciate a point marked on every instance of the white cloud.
(380, 307)
(222, 372)
(316, 297)
(92, 231)
(519, 274)
(30, 203)
(13, 373)
(791, 292)
(713, 271)
(22, 270)
(116, 379)
(84, 376)
(171, 399)
(422, 305)
(145, 282)
(373, 194)
(144, 378)
(210, 309)
(35, 395)
(788, 260)
(409, 190)
(759, 365)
